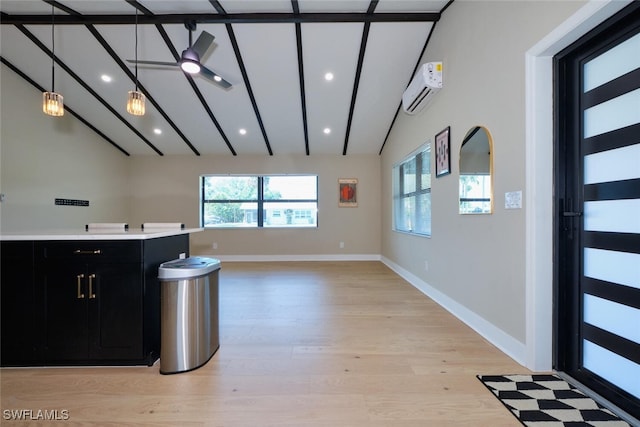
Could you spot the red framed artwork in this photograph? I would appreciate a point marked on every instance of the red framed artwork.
(348, 192)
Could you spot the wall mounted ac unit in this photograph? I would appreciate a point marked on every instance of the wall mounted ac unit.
(425, 84)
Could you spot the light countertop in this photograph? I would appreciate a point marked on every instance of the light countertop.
(102, 234)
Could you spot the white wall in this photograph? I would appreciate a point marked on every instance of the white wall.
(475, 262)
(44, 158)
(166, 189)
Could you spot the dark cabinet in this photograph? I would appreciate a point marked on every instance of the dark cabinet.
(87, 302)
(93, 311)
(18, 303)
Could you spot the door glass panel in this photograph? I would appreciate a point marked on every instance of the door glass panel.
(618, 319)
(612, 64)
(616, 267)
(612, 165)
(612, 367)
(616, 113)
(622, 216)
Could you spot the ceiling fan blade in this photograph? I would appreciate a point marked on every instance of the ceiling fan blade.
(214, 77)
(203, 43)
(168, 64)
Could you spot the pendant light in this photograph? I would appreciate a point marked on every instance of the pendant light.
(136, 99)
(52, 102)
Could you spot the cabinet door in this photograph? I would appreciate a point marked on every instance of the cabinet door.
(65, 306)
(20, 317)
(115, 301)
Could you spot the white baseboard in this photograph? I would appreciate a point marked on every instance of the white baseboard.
(503, 341)
(496, 336)
(310, 257)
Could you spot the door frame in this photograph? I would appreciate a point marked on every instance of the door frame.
(539, 184)
(571, 236)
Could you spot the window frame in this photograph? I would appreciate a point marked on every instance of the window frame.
(260, 202)
(399, 196)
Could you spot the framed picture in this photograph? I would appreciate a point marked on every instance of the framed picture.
(443, 157)
(348, 192)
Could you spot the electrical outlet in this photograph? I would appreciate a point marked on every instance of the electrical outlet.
(341, 245)
(426, 265)
(215, 245)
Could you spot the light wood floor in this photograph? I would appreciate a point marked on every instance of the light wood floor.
(305, 344)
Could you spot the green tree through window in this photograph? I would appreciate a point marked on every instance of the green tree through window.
(259, 201)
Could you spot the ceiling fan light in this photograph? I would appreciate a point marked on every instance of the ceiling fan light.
(52, 104)
(190, 67)
(136, 103)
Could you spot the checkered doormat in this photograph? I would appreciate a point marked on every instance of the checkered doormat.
(549, 401)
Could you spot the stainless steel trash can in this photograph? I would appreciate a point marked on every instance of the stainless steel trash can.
(188, 314)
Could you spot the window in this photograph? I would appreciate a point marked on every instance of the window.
(412, 193)
(475, 193)
(259, 201)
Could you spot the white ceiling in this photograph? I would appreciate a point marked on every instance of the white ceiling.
(372, 55)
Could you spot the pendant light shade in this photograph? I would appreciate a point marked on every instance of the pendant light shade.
(135, 103)
(136, 99)
(52, 102)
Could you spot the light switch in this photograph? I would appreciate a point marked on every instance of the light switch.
(513, 200)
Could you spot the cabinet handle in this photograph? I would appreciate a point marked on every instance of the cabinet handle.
(89, 252)
(92, 295)
(80, 294)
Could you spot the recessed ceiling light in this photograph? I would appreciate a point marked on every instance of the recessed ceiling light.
(242, 131)
(157, 131)
(217, 78)
(105, 78)
(327, 131)
(328, 77)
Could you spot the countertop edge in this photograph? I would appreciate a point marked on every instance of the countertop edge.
(96, 235)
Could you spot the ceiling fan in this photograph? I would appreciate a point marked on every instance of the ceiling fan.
(190, 60)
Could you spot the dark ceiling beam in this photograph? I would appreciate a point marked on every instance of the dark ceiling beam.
(213, 18)
(67, 108)
(424, 48)
(150, 98)
(236, 50)
(247, 83)
(195, 88)
(92, 29)
(189, 78)
(218, 7)
(356, 83)
(60, 6)
(88, 88)
(303, 96)
(413, 73)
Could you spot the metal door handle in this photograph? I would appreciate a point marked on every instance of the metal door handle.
(80, 294)
(89, 252)
(92, 295)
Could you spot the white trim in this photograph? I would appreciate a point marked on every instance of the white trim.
(286, 258)
(503, 341)
(539, 175)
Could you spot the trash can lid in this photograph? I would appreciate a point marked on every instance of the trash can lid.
(187, 268)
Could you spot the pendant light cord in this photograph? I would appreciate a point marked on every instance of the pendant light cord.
(136, 49)
(53, 49)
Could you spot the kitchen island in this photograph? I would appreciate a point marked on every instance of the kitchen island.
(84, 297)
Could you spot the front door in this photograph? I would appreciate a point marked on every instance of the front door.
(597, 199)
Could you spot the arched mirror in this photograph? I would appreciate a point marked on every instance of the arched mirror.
(476, 171)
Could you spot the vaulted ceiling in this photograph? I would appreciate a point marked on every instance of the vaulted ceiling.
(275, 53)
